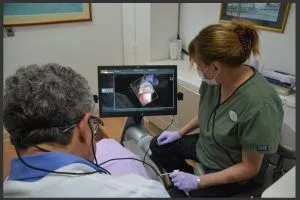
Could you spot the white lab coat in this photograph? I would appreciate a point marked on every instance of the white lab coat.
(94, 185)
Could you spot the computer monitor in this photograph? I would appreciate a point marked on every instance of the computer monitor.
(137, 90)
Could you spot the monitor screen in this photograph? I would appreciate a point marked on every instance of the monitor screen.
(137, 90)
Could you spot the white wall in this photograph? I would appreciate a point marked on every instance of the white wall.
(277, 49)
(129, 33)
(143, 33)
(164, 26)
(147, 29)
(82, 46)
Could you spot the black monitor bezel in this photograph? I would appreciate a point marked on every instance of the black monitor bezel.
(138, 113)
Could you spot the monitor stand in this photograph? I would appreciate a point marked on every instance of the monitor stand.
(138, 119)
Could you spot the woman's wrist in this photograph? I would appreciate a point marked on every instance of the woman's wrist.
(198, 182)
(181, 133)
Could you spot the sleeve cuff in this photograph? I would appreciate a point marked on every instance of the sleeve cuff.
(263, 149)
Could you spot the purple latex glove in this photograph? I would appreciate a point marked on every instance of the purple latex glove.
(168, 137)
(184, 181)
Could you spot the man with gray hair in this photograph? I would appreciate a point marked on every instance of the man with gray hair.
(47, 113)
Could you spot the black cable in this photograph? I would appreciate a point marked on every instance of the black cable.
(50, 171)
(85, 173)
(178, 29)
(161, 132)
(136, 160)
(92, 143)
(146, 153)
(213, 127)
(185, 52)
(178, 21)
(93, 148)
(42, 149)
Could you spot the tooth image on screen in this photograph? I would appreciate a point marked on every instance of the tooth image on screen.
(145, 98)
(144, 90)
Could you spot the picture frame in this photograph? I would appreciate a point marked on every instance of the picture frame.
(267, 16)
(28, 14)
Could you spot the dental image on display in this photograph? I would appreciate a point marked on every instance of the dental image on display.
(144, 90)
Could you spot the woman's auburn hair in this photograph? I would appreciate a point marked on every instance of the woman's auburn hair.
(230, 43)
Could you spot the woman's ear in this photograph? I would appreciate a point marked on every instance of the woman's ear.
(84, 129)
(216, 65)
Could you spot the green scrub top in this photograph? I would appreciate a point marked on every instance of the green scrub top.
(249, 120)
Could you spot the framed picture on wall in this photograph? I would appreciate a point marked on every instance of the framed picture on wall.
(25, 14)
(268, 16)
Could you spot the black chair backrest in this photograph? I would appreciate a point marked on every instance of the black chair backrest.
(287, 146)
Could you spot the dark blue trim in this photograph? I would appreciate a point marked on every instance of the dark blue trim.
(50, 161)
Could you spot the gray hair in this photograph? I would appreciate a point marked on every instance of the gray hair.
(38, 99)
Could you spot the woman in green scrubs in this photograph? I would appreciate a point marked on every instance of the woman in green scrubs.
(240, 117)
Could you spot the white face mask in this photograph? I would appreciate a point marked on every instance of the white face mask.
(208, 81)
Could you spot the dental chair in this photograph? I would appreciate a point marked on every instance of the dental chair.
(137, 139)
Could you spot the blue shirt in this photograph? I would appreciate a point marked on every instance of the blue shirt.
(49, 161)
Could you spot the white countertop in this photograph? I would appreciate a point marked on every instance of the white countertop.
(285, 187)
(188, 77)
